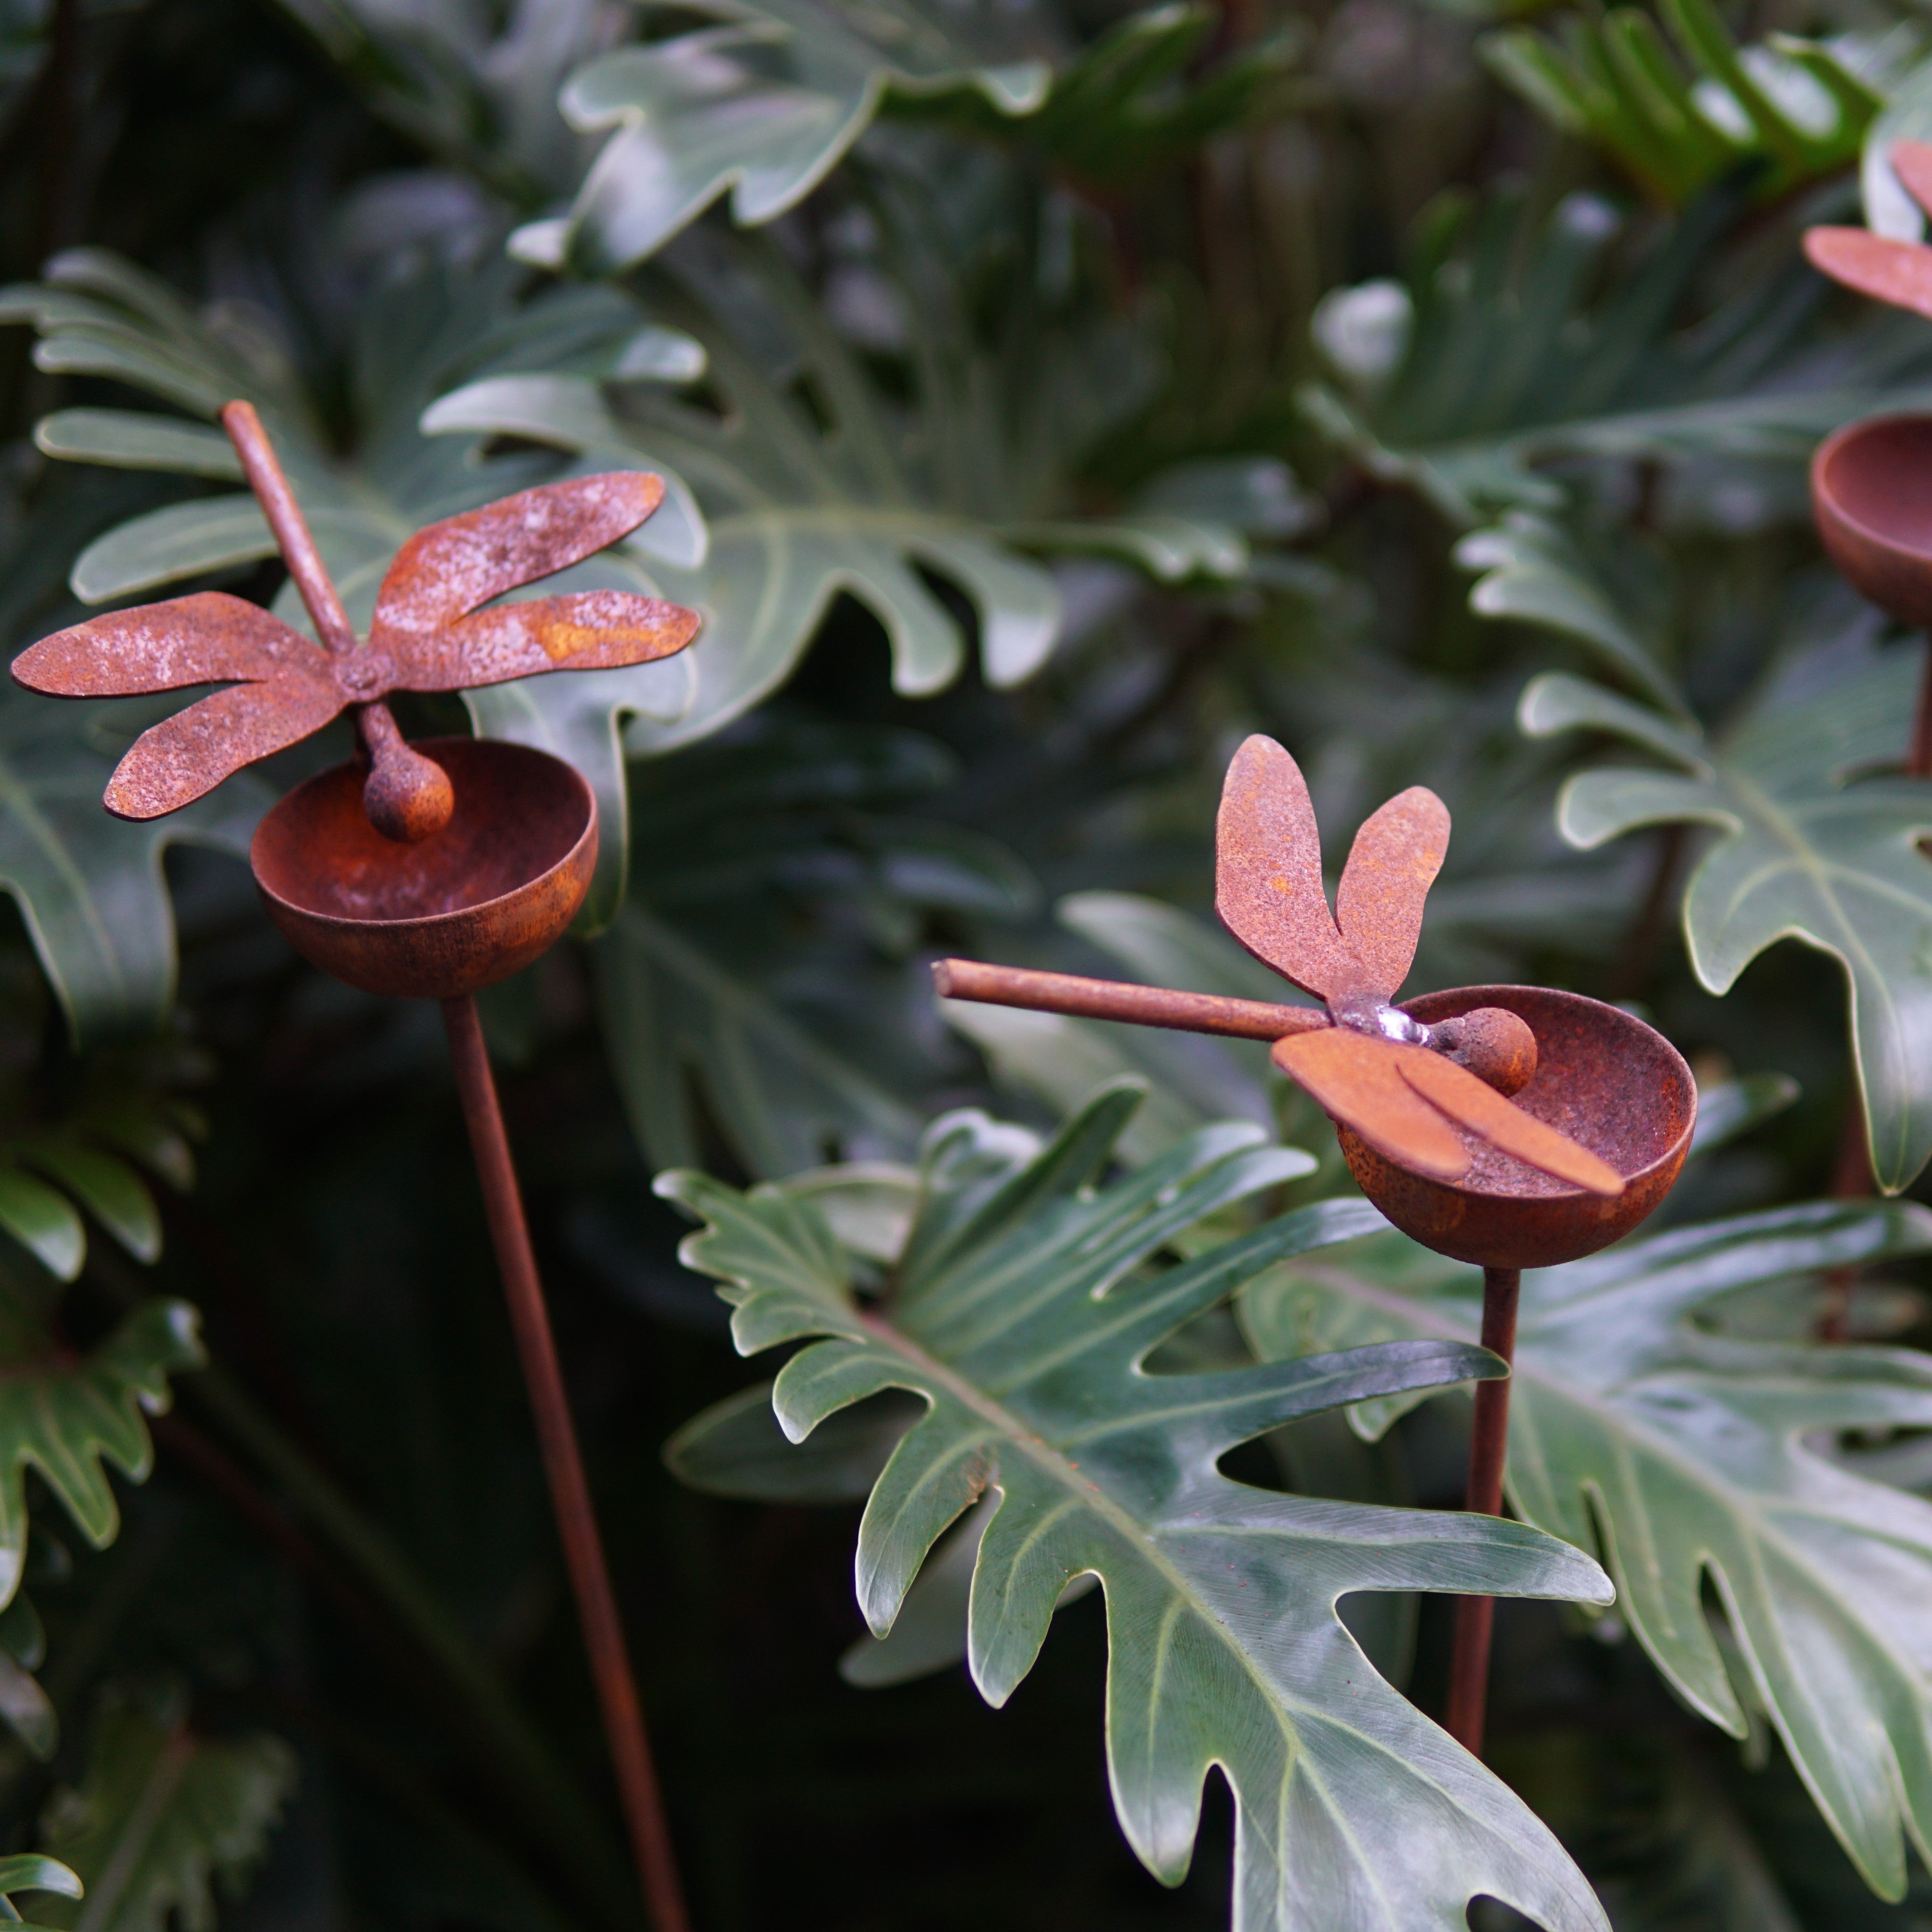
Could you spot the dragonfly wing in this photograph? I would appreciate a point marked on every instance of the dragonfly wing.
(1911, 162)
(209, 638)
(1503, 1123)
(1898, 272)
(588, 630)
(1391, 866)
(452, 568)
(184, 756)
(1358, 1078)
(1267, 873)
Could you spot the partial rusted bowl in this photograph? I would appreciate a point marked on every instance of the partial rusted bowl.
(1602, 1078)
(1874, 513)
(464, 908)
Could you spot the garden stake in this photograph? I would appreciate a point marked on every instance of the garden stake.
(426, 872)
(1868, 500)
(1868, 482)
(1510, 1127)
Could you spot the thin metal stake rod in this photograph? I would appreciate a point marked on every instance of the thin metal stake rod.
(570, 1493)
(1475, 1616)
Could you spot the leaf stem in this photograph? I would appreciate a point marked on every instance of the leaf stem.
(1918, 762)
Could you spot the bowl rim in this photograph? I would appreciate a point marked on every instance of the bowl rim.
(420, 922)
(1830, 508)
(1677, 1149)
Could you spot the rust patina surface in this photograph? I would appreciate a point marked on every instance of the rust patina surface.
(422, 871)
(431, 632)
(1510, 1126)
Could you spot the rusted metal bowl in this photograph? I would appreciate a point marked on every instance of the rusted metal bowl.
(462, 909)
(1874, 513)
(1602, 1078)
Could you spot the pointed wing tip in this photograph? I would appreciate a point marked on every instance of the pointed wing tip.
(54, 673)
(632, 494)
(126, 804)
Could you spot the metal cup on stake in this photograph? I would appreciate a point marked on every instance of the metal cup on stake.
(423, 871)
(1510, 1126)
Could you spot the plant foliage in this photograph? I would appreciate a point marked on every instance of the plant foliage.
(1015, 1315)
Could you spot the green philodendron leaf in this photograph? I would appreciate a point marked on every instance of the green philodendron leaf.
(65, 1416)
(1022, 1308)
(799, 505)
(1695, 1455)
(91, 886)
(766, 980)
(1808, 847)
(25, 1708)
(1140, 96)
(478, 89)
(162, 1812)
(1533, 571)
(1797, 108)
(1493, 357)
(670, 1007)
(97, 316)
(47, 1175)
(737, 1448)
(29, 1871)
(765, 105)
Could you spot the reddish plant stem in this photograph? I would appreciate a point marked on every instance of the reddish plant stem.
(1919, 760)
(1475, 1616)
(1120, 999)
(570, 1492)
(1852, 1180)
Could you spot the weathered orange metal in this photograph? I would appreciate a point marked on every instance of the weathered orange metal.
(495, 888)
(1898, 272)
(1604, 1082)
(1118, 999)
(1512, 1126)
(430, 633)
(1424, 1104)
(423, 871)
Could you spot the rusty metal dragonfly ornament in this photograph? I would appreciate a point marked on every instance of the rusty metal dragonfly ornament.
(423, 871)
(436, 628)
(1512, 1126)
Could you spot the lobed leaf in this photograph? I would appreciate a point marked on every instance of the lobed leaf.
(161, 1814)
(1022, 1310)
(1809, 846)
(1689, 1457)
(65, 1417)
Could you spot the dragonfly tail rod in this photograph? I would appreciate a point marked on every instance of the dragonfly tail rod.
(1085, 999)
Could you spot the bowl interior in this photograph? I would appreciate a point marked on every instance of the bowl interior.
(1604, 1078)
(1877, 477)
(518, 813)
